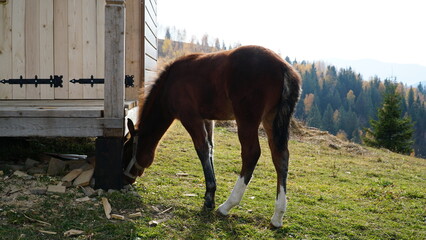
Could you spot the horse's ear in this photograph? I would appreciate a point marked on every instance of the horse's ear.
(131, 127)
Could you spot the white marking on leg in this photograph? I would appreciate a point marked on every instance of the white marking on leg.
(235, 197)
(280, 207)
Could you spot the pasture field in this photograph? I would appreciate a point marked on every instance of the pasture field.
(334, 192)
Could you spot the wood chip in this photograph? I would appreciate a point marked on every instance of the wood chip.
(56, 188)
(168, 209)
(83, 199)
(182, 174)
(153, 223)
(84, 178)
(189, 195)
(117, 216)
(135, 215)
(39, 221)
(88, 191)
(48, 232)
(107, 207)
(73, 232)
(72, 175)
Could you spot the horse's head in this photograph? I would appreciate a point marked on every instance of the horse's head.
(129, 154)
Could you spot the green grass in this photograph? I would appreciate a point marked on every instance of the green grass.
(332, 194)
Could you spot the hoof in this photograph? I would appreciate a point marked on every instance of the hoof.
(276, 224)
(222, 211)
(208, 207)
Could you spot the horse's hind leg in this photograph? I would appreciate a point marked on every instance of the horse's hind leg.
(202, 135)
(281, 160)
(250, 153)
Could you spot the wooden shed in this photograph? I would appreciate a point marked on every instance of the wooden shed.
(44, 44)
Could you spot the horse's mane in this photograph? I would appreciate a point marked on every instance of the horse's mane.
(147, 97)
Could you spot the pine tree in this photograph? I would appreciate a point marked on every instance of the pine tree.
(314, 117)
(327, 120)
(391, 131)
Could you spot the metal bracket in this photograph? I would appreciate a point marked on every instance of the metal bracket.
(54, 81)
(128, 81)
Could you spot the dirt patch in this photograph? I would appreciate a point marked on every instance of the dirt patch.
(302, 133)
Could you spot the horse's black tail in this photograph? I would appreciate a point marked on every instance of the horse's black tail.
(289, 97)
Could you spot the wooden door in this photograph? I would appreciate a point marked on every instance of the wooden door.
(52, 37)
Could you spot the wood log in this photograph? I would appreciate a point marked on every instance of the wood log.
(72, 175)
(84, 178)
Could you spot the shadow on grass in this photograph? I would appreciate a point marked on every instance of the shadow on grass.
(205, 224)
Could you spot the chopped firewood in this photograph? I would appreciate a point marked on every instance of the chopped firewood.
(21, 174)
(56, 188)
(56, 167)
(48, 232)
(66, 184)
(107, 207)
(73, 232)
(75, 164)
(83, 199)
(88, 191)
(72, 175)
(135, 215)
(84, 178)
(117, 216)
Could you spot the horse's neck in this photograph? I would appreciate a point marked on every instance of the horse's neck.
(154, 122)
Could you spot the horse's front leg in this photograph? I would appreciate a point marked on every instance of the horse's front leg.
(202, 135)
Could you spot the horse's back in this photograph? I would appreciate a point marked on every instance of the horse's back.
(256, 79)
(216, 85)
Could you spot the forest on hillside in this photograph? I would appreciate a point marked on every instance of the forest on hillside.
(339, 101)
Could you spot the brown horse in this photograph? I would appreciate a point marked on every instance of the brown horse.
(250, 84)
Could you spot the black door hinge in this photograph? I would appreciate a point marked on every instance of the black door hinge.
(53, 81)
(128, 81)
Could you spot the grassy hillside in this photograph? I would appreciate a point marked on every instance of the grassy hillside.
(335, 191)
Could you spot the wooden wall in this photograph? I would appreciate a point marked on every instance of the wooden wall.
(67, 37)
(151, 41)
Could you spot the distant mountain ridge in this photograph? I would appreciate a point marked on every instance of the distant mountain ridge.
(410, 74)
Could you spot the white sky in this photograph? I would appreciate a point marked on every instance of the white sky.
(389, 31)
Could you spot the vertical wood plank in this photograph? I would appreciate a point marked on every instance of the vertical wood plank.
(60, 17)
(46, 47)
(75, 47)
(100, 45)
(115, 27)
(89, 46)
(32, 46)
(5, 49)
(134, 41)
(18, 47)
